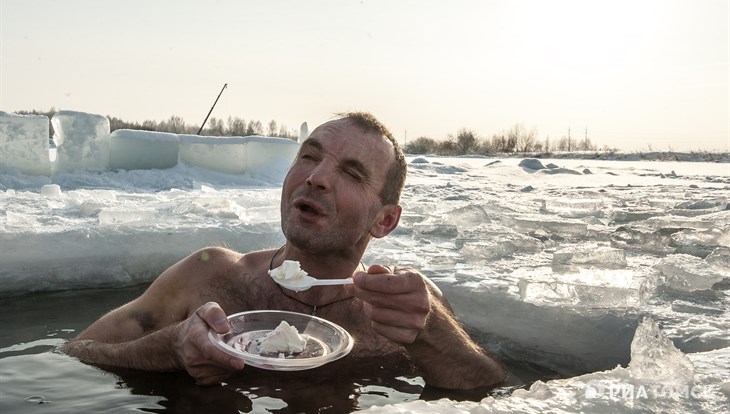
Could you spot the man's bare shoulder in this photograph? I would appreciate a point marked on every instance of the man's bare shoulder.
(236, 281)
(194, 278)
(211, 261)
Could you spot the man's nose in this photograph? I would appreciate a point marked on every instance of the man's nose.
(320, 177)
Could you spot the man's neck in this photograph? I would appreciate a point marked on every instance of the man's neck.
(331, 265)
(320, 267)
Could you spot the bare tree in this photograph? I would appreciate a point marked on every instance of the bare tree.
(236, 127)
(272, 128)
(421, 145)
(466, 141)
(254, 128)
(525, 141)
(174, 124)
(448, 147)
(215, 127)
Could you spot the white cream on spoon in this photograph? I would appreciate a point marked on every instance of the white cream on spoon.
(291, 276)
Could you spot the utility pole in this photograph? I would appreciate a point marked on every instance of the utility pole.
(211, 109)
(405, 140)
(568, 139)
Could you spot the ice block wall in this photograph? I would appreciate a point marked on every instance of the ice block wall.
(84, 143)
(24, 144)
(234, 155)
(143, 150)
(82, 140)
(262, 150)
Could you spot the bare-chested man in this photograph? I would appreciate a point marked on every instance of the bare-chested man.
(342, 190)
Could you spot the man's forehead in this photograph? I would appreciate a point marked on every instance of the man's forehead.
(347, 130)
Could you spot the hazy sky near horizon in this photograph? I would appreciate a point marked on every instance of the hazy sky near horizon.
(637, 74)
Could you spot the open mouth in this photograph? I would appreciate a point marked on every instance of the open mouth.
(308, 209)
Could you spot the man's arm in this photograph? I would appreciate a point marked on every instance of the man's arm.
(408, 309)
(157, 331)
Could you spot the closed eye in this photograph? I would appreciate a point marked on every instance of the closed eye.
(355, 169)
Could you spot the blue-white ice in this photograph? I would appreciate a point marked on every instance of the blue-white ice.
(558, 269)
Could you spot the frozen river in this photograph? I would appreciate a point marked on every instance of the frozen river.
(553, 262)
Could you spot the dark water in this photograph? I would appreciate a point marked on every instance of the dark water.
(35, 377)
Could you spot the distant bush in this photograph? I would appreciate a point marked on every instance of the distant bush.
(518, 139)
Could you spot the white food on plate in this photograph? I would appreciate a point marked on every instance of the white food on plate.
(284, 339)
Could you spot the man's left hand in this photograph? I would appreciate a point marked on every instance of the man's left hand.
(397, 304)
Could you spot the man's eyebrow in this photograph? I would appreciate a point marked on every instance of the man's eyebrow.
(312, 142)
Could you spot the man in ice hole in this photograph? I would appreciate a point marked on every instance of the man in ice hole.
(341, 191)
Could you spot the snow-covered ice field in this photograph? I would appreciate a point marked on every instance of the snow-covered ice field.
(615, 275)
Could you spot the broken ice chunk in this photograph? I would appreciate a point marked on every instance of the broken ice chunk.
(594, 288)
(688, 273)
(654, 356)
(644, 239)
(573, 208)
(603, 257)
(535, 223)
(700, 242)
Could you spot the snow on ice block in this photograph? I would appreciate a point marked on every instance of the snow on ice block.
(659, 222)
(535, 223)
(440, 230)
(492, 241)
(143, 150)
(573, 208)
(51, 190)
(587, 255)
(531, 164)
(644, 239)
(628, 215)
(701, 242)
(719, 260)
(693, 208)
(234, 155)
(24, 143)
(689, 273)
(82, 140)
(115, 217)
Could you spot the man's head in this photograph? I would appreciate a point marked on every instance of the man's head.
(344, 185)
(397, 167)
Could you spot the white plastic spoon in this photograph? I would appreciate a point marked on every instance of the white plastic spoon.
(305, 282)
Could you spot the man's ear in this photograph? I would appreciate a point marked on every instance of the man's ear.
(386, 221)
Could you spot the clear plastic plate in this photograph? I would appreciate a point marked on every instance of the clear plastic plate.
(326, 341)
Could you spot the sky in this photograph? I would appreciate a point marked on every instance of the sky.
(633, 75)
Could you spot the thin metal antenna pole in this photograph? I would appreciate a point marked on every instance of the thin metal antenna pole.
(211, 109)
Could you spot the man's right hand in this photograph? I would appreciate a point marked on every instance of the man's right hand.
(197, 354)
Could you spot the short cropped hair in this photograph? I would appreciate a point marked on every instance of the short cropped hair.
(396, 175)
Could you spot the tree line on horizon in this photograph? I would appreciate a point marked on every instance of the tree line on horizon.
(517, 139)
